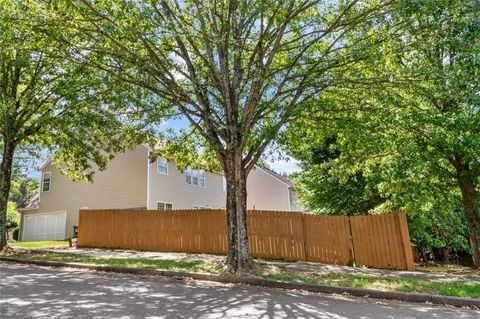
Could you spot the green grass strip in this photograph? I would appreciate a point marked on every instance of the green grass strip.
(458, 289)
(196, 265)
(38, 244)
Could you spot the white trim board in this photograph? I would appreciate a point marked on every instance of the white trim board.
(148, 178)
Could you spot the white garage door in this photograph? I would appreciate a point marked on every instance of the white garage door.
(49, 226)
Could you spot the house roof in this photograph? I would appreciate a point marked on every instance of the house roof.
(32, 202)
(282, 178)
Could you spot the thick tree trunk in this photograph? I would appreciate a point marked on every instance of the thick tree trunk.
(5, 183)
(470, 206)
(466, 184)
(238, 259)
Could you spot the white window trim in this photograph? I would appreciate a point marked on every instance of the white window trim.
(159, 201)
(161, 173)
(49, 183)
(149, 163)
(191, 178)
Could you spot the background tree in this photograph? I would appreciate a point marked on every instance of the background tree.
(46, 101)
(237, 70)
(22, 187)
(422, 127)
(322, 191)
(23, 184)
(436, 223)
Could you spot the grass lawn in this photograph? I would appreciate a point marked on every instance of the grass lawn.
(39, 244)
(459, 289)
(445, 269)
(197, 266)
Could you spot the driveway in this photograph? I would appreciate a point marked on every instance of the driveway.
(40, 292)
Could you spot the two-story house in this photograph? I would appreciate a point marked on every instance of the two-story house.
(132, 180)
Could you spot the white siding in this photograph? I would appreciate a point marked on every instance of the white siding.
(123, 184)
(172, 188)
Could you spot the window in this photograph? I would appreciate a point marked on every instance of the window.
(164, 206)
(162, 166)
(200, 207)
(46, 181)
(224, 182)
(195, 177)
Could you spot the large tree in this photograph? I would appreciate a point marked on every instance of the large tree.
(48, 102)
(237, 70)
(422, 128)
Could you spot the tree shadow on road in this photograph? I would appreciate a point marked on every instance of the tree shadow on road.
(67, 293)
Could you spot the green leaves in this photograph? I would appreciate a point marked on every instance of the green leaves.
(406, 119)
(238, 71)
(50, 100)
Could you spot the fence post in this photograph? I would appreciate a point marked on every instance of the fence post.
(79, 240)
(351, 247)
(304, 231)
(407, 249)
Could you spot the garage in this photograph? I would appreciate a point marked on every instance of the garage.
(47, 226)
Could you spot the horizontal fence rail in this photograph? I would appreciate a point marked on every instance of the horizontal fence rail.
(380, 241)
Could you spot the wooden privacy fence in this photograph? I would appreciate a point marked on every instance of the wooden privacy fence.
(380, 241)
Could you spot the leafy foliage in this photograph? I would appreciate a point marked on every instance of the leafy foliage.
(13, 216)
(15, 233)
(84, 114)
(325, 193)
(410, 128)
(437, 229)
(433, 225)
(46, 100)
(237, 70)
(22, 187)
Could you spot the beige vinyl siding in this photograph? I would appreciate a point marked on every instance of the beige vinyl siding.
(122, 185)
(266, 192)
(172, 188)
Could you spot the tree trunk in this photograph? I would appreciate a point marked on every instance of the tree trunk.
(466, 184)
(470, 206)
(5, 183)
(238, 258)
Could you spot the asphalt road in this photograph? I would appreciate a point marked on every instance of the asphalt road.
(41, 292)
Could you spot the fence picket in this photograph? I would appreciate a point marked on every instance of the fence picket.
(376, 241)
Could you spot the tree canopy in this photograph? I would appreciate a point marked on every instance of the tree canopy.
(237, 70)
(84, 115)
(420, 125)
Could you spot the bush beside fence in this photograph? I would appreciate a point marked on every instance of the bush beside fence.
(380, 241)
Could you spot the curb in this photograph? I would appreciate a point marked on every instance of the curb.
(357, 292)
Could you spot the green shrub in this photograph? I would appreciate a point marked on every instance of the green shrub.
(15, 233)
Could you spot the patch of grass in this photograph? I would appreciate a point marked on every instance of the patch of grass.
(197, 265)
(459, 289)
(38, 244)
(444, 269)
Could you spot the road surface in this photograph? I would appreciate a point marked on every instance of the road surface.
(42, 292)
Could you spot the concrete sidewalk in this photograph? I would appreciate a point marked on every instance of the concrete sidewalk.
(299, 266)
